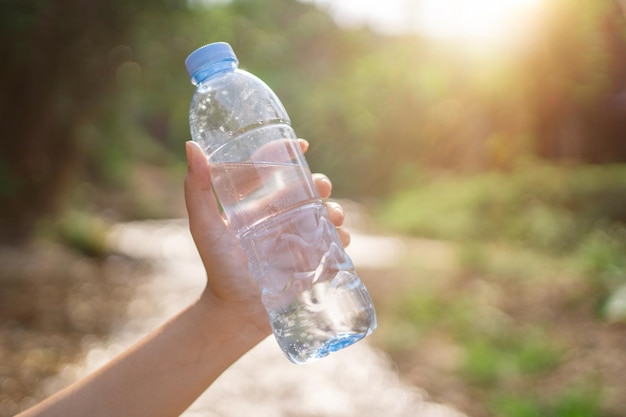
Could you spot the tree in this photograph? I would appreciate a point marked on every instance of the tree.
(57, 69)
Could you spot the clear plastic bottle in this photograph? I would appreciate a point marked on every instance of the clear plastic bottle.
(316, 302)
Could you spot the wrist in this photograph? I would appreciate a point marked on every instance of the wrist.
(234, 323)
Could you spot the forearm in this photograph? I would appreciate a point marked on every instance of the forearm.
(163, 373)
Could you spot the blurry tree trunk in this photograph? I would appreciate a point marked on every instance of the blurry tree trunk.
(581, 108)
(53, 77)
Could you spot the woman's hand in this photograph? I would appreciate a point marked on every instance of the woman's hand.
(229, 280)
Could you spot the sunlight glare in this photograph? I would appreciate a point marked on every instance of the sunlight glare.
(476, 21)
(486, 25)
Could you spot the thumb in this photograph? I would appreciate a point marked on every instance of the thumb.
(205, 220)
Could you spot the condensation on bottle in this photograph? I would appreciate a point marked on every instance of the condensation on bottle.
(316, 302)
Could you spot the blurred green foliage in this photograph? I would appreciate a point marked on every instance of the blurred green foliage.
(81, 231)
(575, 213)
(511, 328)
(58, 82)
(92, 87)
(546, 207)
(574, 401)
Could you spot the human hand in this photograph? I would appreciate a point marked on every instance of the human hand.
(164, 372)
(229, 280)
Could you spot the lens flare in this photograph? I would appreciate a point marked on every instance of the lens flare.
(484, 22)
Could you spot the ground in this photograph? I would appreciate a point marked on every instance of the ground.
(535, 338)
(54, 302)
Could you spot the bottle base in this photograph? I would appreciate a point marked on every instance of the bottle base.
(328, 316)
(333, 345)
(338, 343)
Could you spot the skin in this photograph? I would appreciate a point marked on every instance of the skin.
(167, 370)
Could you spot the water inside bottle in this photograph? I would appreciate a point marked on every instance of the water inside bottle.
(324, 319)
(252, 191)
(316, 302)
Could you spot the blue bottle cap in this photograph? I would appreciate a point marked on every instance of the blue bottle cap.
(208, 55)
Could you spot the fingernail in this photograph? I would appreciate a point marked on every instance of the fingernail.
(336, 206)
(304, 144)
(325, 179)
(189, 153)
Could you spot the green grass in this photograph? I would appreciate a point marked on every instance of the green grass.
(572, 401)
(519, 353)
(541, 255)
(577, 212)
(545, 207)
(510, 342)
(79, 230)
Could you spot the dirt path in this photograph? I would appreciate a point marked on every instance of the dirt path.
(358, 381)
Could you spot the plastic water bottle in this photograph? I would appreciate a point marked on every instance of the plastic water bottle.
(316, 302)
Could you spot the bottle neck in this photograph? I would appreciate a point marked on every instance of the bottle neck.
(227, 65)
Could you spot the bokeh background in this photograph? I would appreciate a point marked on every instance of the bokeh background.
(494, 128)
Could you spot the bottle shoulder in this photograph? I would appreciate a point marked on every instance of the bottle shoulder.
(231, 81)
(224, 106)
(237, 92)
